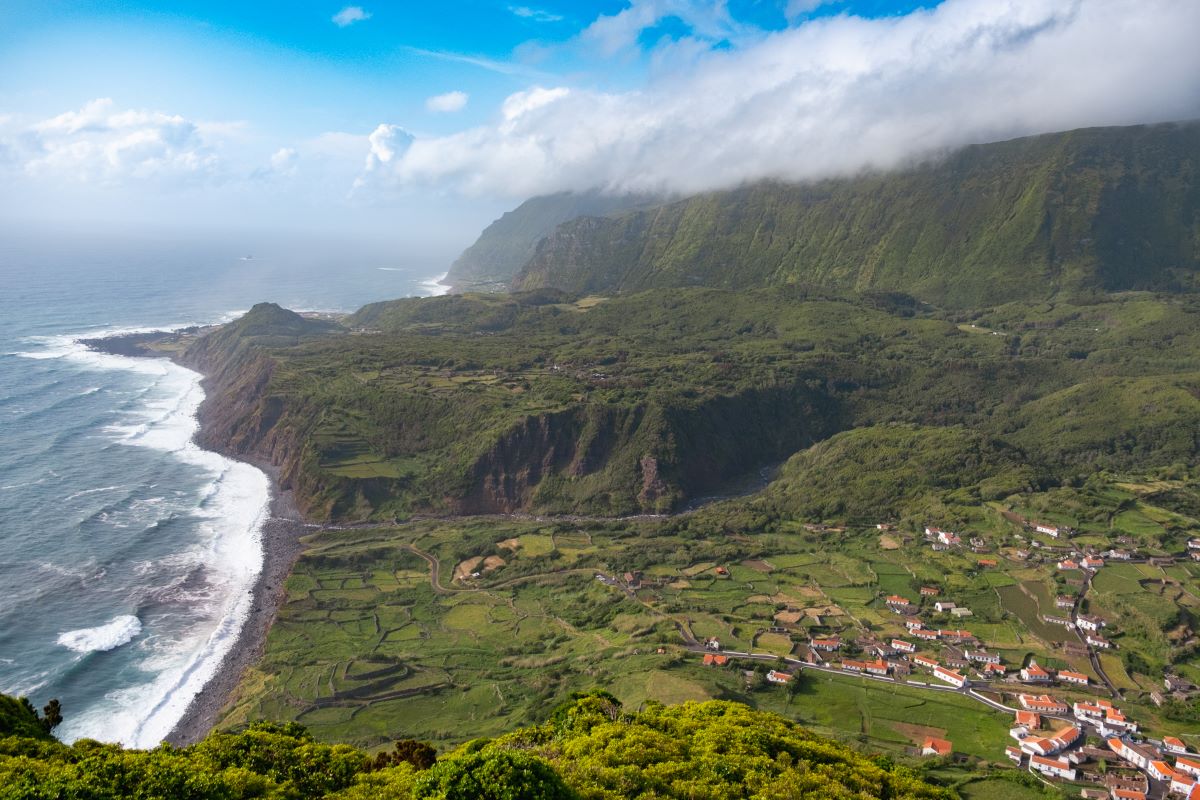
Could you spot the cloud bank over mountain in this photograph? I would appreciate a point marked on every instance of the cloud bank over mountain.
(828, 96)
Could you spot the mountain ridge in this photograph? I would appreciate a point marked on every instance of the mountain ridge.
(1096, 209)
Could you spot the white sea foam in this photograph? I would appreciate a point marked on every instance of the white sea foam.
(434, 286)
(230, 516)
(109, 636)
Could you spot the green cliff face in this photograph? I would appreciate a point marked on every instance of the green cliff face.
(508, 243)
(1096, 209)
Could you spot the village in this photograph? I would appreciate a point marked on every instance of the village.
(1067, 728)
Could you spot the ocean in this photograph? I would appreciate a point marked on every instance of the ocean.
(127, 553)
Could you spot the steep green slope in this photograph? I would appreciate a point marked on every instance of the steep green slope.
(1104, 208)
(856, 474)
(644, 402)
(508, 243)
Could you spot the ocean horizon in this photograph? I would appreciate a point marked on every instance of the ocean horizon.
(128, 553)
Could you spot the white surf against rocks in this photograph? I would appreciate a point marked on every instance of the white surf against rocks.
(228, 546)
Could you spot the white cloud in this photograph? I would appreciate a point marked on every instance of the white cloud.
(709, 21)
(283, 161)
(450, 101)
(535, 14)
(830, 96)
(350, 15)
(101, 143)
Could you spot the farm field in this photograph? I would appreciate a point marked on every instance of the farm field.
(369, 648)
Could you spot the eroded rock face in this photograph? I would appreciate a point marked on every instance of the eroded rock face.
(653, 487)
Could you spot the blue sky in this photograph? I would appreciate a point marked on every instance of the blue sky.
(426, 119)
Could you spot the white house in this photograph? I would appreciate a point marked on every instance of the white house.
(774, 676)
(1043, 704)
(1098, 641)
(943, 605)
(1054, 767)
(1073, 677)
(1049, 530)
(950, 676)
(903, 646)
(1034, 674)
(1189, 765)
(1173, 744)
(1090, 623)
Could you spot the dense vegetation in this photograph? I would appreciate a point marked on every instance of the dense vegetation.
(1105, 208)
(547, 402)
(589, 749)
(508, 243)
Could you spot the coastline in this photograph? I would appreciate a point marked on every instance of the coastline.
(281, 535)
(281, 542)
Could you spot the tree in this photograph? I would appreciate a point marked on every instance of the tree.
(492, 775)
(407, 751)
(52, 715)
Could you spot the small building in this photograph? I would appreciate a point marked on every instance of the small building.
(1093, 709)
(983, 657)
(722, 572)
(1052, 620)
(712, 644)
(1054, 767)
(1089, 622)
(943, 605)
(1034, 674)
(1073, 677)
(1160, 771)
(1098, 641)
(1046, 528)
(1182, 783)
(1067, 564)
(988, 563)
(1064, 601)
(1043, 704)
(1189, 765)
(828, 645)
(951, 677)
(902, 646)
(1014, 754)
(932, 746)
(1091, 562)
(930, 591)
(1127, 794)
(878, 667)
(925, 661)
(1173, 744)
(994, 670)
(897, 600)
(925, 635)
(1029, 719)
(714, 660)
(777, 677)
(1139, 755)
(960, 612)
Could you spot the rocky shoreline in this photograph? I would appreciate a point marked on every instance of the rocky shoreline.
(281, 542)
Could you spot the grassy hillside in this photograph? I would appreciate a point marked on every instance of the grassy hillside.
(1095, 209)
(508, 243)
(552, 403)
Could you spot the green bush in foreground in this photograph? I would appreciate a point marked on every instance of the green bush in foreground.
(589, 750)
